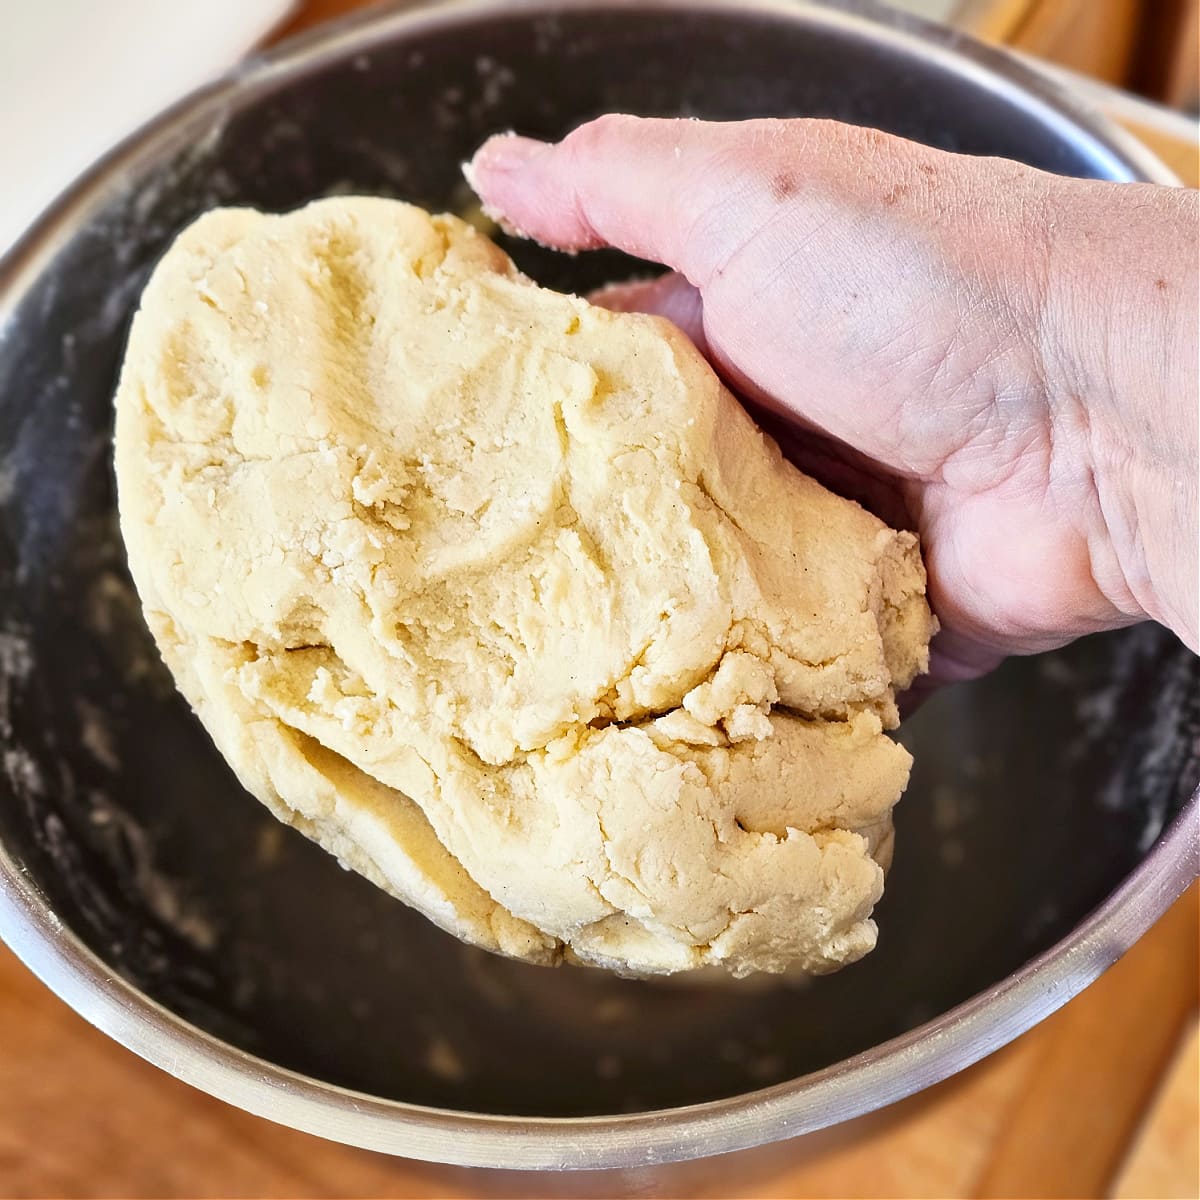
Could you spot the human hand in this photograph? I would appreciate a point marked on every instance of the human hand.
(1003, 359)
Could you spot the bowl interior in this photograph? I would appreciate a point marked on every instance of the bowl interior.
(1034, 793)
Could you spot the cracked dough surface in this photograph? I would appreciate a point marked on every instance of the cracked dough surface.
(505, 601)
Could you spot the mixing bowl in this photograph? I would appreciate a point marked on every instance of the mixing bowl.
(1051, 816)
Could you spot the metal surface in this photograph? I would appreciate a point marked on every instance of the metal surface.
(1051, 817)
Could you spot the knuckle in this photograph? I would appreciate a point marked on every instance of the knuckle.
(600, 135)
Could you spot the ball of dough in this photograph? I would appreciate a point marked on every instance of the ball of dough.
(505, 601)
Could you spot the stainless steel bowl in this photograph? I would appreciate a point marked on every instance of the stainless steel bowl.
(1052, 815)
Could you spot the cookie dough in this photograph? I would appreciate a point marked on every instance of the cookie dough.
(505, 601)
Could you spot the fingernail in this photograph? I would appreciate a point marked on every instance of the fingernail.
(505, 154)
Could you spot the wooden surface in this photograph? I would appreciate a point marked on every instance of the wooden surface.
(1171, 1136)
(1095, 1097)
(1099, 1100)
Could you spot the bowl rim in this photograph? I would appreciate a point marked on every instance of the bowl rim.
(869, 1080)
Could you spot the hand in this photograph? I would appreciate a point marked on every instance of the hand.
(1003, 359)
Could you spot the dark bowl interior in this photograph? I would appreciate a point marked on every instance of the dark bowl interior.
(1035, 791)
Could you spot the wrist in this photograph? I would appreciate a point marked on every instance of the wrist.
(1123, 293)
(1147, 499)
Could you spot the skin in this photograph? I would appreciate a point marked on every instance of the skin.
(1000, 358)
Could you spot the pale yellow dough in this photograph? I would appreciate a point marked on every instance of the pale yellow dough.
(505, 601)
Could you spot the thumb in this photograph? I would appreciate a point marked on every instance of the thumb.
(674, 191)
